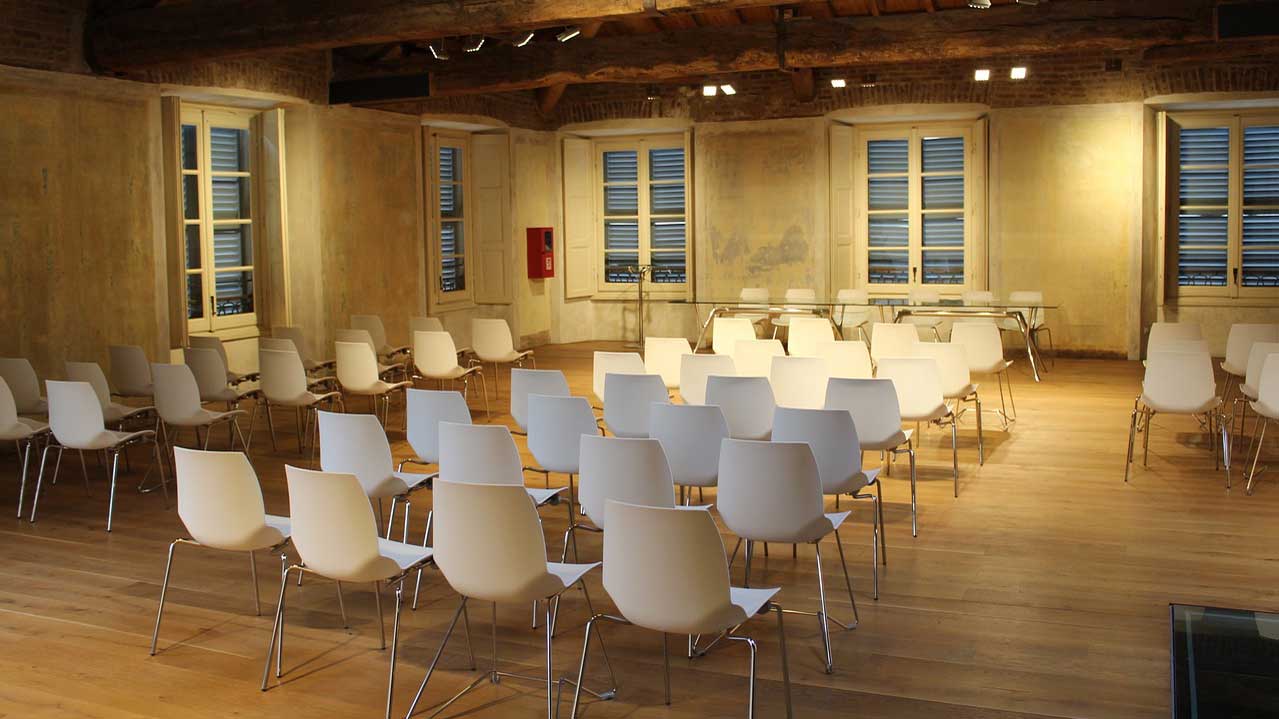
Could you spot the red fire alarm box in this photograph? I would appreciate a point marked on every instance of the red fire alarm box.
(541, 252)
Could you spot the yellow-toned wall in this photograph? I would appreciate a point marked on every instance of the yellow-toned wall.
(537, 202)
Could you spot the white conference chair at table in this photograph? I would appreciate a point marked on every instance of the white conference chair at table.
(919, 397)
(877, 416)
(853, 310)
(690, 435)
(1178, 383)
(335, 535)
(923, 298)
(491, 342)
(1031, 306)
(747, 403)
(284, 384)
(848, 359)
(1238, 346)
(298, 336)
(603, 363)
(24, 433)
(772, 492)
(177, 402)
(662, 357)
(956, 383)
(220, 505)
(212, 342)
(893, 339)
(984, 353)
(629, 400)
(753, 298)
(978, 298)
(76, 422)
(525, 382)
(21, 377)
(385, 370)
(799, 381)
(377, 332)
(665, 571)
(754, 358)
(357, 372)
(694, 370)
(806, 333)
(728, 331)
(130, 372)
(1251, 379)
(805, 295)
(832, 436)
(113, 413)
(435, 357)
(1266, 407)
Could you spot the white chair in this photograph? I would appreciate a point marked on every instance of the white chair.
(662, 357)
(1252, 377)
(314, 383)
(806, 333)
(956, 383)
(357, 372)
(977, 298)
(278, 344)
(356, 444)
(361, 336)
(849, 359)
(1266, 407)
(747, 403)
(298, 336)
(214, 343)
(435, 357)
(426, 408)
(799, 381)
(621, 469)
(877, 416)
(752, 298)
(832, 436)
(377, 331)
(485, 454)
(425, 324)
(524, 382)
(984, 353)
(130, 371)
(555, 429)
(628, 402)
(1239, 344)
(220, 505)
(795, 294)
(920, 297)
(335, 535)
(919, 398)
(1162, 333)
(854, 311)
(772, 492)
(489, 547)
(893, 339)
(113, 413)
(603, 363)
(1178, 383)
(754, 358)
(76, 422)
(24, 433)
(665, 571)
(726, 332)
(491, 341)
(177, 402)
(691, 436)
(284, 384)
(1032, 309)
(210, 374)
(18, 373)
(695, 369)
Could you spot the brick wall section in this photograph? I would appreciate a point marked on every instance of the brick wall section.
(303, 74)
(515, 108)
(43, 34)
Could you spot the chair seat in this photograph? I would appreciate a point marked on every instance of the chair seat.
(1207, 406)
(306, 399)
(902, 436)
(272, 534)
(388, 350)
(22, 429)
(968, 391)
(381, 387)
(228, 394)
(114, 413)
(398, 484)
(392, 367)
(205, 417)
(750, 600)
(1233, 370)
(456, 372)
(312, 365)
(39, 408)
(147, 392)
(1248, 391)
(109, 439)
(858, 481)
(941, 411)
(996, 368)
(569, 574)
(404, 555)
(512, 356)
(542, 496)
(1265, 410)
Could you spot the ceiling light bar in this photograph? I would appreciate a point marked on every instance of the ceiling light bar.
(981, 74)
(728, 89)
(1017, 73)
(439, 52)
(709, 90)
(979, 4)
(568, 33)
(838, 82)
(474, 45)
(525, 39)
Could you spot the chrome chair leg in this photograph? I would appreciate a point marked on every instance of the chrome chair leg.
(750, 697)
(257, 593)
(822, 623)
(849, 582)
(1132, 436)
(395, 645)
(1252, 474)
(164, 589)
(954, 454)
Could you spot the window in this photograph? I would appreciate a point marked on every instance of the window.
(449, 174)
(1223, 205)
(914, 185)
(644, 219)
(217, 219)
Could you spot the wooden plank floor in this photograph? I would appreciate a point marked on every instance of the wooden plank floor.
(1041, 592)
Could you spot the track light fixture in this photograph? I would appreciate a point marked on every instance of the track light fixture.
(438, 51)
(524, 39)
(709, 90)
(979, 4)
(1017, 73)
(838, 82)
(869, 80)
(474, 44)
(568, 33)
(728, 89)
(981, 75)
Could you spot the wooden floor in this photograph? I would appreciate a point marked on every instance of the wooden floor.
(1043, 590)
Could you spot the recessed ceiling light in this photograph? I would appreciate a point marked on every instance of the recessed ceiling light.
(709, 90)
(728, 89)
(1017, 73)
(438, 51)
(979, 4)
(651, 93)
(525, 39)
(838, 82)
(869, 80)
(571, 32)
(981, 75)
(474, 45)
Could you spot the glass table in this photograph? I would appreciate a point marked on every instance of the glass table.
(889, 309)
(1225, 663)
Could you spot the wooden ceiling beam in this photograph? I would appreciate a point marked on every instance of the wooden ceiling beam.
(549, 97)
(1116, 25)
(1262, 50)
(201, 31)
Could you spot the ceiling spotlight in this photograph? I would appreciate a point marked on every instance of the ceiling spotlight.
(569, 33)
(838, 82)
(728, 89)
(869, 80)
(524, 39)
(651, 93)
(709, 90)
(1027, 2)
(1017, 73)
(474, 45)
(981, 75)
(979, 4)
(438, 51)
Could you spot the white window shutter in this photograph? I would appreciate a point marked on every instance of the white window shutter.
(841, 207)
(491, 233)
(579, 219)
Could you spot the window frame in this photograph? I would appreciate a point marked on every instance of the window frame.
(465, 296)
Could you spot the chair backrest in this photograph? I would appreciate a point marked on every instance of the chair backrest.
(555, 429)
(952, 367)
(1162, 333)
(604, 363)
(747, 403)
(130, 370)
(923, 296)
(799, 381)
(754, 294)
(75, 416)
(278, 344)
(768, 491)
(665, 569)
(426, 409)
(872, 404)
(209, 371)
(1178, 382)
(177, 396)
(693, 371)
(219, 498)
(425, 324)
(832, 435)
(978, 298)
(806, 333)
(525, 382)
(332, 524)
(298, 337)
(918, 384)
(848, 318)
(727, 331)
(24, 384)
(489, 543)
(357, 335)
(434, 353)
(373, 325)
(479, 453)
(631, 470)
(1240, 340)
(754, 358)
(8, 409)
(982, 344)
(628, 402)
(355, 444)
(800, 294)
(356, 365)
(92, 373)
(282, 374)
(491, 339)
(847, 358)
(1256, 360)
(893, 339)
(1268, 387)
(662, 357)
(1184, 346)
(690, 435)
(210, 342)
